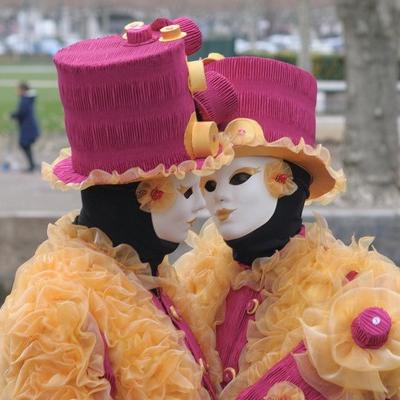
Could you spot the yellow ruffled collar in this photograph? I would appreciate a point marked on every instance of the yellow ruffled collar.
(265, 271)
(129, 262)
(125, 255)
(306, 272)
(73, 291)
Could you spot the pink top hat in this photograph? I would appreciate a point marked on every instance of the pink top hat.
(276, 117)
(128, 107)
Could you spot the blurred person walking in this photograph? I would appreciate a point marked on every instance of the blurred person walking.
(27, 122)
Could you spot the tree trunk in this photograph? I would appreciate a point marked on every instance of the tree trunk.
(371, 146)
(304, 24)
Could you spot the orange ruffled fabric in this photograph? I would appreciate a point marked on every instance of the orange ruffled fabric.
(100, 177)
(284, 391)
(190, 310)
(206, 272)
(334, 354)
(307, 272)
(76, 286)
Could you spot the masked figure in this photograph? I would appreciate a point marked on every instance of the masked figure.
(294, 313)
(97, 313)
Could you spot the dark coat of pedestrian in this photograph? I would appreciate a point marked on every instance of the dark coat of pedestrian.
(27, 122)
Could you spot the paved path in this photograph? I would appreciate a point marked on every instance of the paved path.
(28, 195)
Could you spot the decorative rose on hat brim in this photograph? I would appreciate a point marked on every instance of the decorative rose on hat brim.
(155, 195)
(248, 140)
(353, 341)
(279, 179)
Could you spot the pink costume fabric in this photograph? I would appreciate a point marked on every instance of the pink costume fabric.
(165, 304)
(284, 371)
(280, 97)
(231, 334)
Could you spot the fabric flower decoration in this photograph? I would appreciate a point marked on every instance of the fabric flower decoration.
(155, 195)
(279, 179)
(284, 391)
(244, 131)
(354, 340)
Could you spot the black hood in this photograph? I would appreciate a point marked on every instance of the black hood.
(285, 223)
(115, 210)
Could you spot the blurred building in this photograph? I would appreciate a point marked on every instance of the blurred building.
(42, 26)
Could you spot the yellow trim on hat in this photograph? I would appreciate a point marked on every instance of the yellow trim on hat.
(213, 57)
(197, 76)
(170, 33)
(201, 138)
(209, 165)
(248, 140)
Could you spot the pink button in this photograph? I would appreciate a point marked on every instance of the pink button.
(139, 35)
(229, 374)
(252, 306)
(370, 330)
(351, 275)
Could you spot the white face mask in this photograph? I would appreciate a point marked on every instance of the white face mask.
(174, 223)
(237, 196)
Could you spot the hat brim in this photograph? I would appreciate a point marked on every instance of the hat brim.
(322, 181)
(248, 140)
(326, 182)
(62, 175)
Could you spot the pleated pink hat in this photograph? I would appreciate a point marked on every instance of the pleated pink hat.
(130, 107)
(276, 117)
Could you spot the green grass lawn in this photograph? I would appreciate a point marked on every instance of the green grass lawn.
(7, 59)
(28, 76)
(48, 107)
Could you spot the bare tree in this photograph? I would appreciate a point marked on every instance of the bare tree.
(371, 146)
(304, 23)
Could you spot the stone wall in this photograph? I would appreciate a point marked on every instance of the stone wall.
(20, 236)
(384, 225)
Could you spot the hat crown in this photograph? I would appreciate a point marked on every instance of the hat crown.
(126, 104)
(279, 96)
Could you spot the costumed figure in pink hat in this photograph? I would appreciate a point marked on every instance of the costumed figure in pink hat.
(98, 313)
(294, 313)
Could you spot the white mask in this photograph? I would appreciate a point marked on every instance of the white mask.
(237, 196)
(174, 223)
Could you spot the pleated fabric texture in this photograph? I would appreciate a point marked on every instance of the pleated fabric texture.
(121, 100)
(279, 96)
(280, 101)
(308, 295)
(79, 324)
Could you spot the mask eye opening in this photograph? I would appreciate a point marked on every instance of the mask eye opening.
(210, 185)
(242, 175)
(239, 179)
(188, 193)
